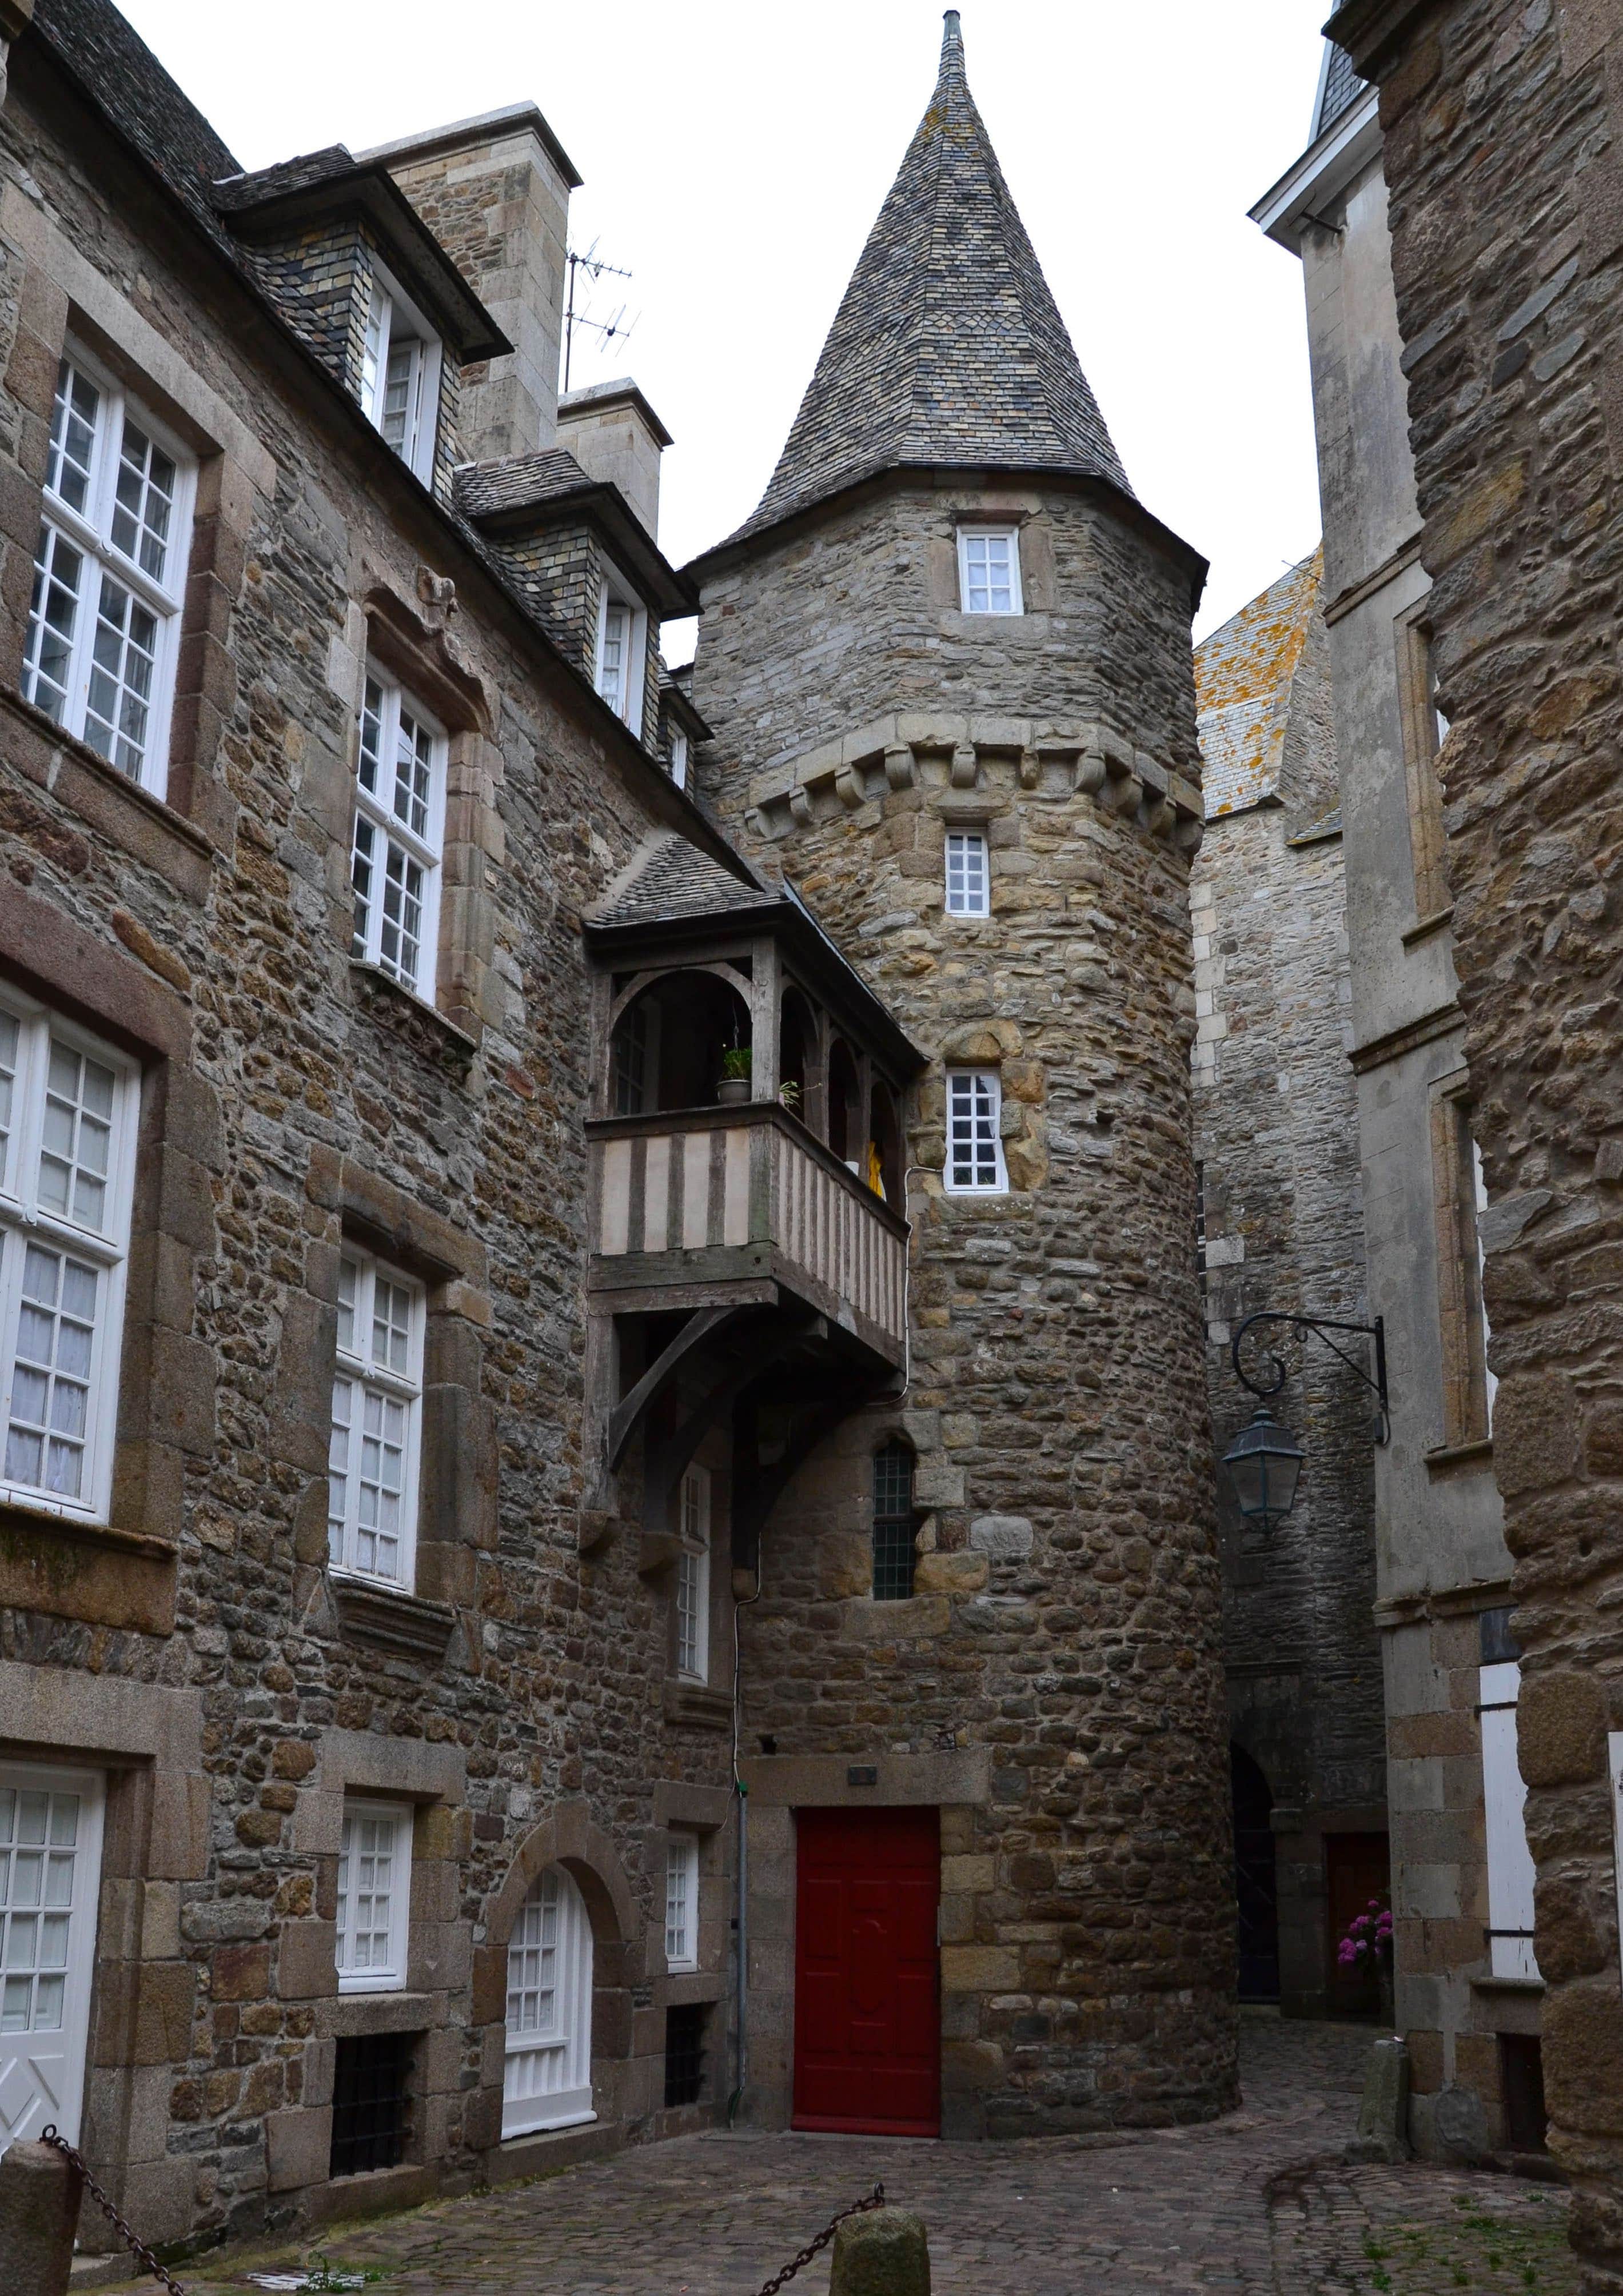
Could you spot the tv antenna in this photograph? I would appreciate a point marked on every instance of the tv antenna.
(607, 330)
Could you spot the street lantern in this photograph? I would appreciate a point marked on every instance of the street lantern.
(1264, 1461)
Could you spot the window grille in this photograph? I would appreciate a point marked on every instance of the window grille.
(374, 1880)
(399, 823)
(685, 2054)
(968, 876)
(371, 2102)
(68, 1112)
(893, 1523)
(694, 1578)
(974, 1150)
(377, 1409)
(681, 1902)
(988, 570)
(110, 575)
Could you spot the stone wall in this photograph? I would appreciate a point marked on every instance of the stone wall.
(1500, 126)
(196, 1646)
(1064, 1628)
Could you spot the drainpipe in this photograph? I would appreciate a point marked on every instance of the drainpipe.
(741, 1795)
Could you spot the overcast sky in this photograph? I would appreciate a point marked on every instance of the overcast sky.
(735, 153)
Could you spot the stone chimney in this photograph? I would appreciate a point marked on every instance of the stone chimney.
(614, 434)
(495, 192)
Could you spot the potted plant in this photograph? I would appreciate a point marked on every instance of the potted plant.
(1367, 1946)
(734, 1087)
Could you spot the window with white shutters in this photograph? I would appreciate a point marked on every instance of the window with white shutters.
(400, 365)
(109, 574)
(377, 1406)
(399, 827)
(988, 569)
(374, 1883)
(548, 2082)
(974, 1150)
(68, 1120)
(968, 875)
(681, 1902)
(694, 1577)
(1509, 1862)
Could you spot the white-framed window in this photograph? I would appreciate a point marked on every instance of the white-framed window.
(110, 573)
(400, 362)
(682, 1901)
(969, 876)
(678, 756)
(50, 1873)
(68, 1120)
(374, 1887)
(988, 569)
(622, 642)
(377, 1421)
(1509, 1861)
(694, 1577)
(399, 830)
(974, 1150)
(548, 2078)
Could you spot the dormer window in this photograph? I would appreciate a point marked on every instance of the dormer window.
(988, 569)
(678, 756)
(622, 637)
(400, 376)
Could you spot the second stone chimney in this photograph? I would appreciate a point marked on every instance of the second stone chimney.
(495, 192)
(614, 434)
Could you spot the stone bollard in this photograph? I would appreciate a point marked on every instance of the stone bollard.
(40, 2210)
(883, 2253)
(1384, 2110)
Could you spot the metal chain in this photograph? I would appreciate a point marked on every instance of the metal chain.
(138, 2249)
(875, 2199)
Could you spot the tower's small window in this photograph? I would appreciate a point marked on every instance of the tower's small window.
(988, 569)
(968, 874)
(974, 1150)
(893, 1523)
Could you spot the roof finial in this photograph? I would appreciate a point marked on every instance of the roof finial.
(952, 48)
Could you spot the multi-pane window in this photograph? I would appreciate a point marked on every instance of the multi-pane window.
(975, 1151)
(968, 876)
(50, 1861)
(374, 1880)
(621, 638)
(894, 1528)
(377, 1395)
(694, 1577)
(988, 569)
(399, 823)
(548, 2078)
(67, 1150)
(682, 1901)
(109, 574)
(400, 377)
(678, 756)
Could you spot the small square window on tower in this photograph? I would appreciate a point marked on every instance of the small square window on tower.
(988, 569)
(974, 1150)
(969, 886)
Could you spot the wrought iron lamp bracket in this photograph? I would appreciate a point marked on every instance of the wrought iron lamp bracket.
(1318, 1328)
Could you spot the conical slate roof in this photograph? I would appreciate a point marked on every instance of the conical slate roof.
(948, 347)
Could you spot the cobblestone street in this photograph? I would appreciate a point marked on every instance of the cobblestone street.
(1258, 2202)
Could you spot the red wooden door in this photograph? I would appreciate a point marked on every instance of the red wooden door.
(867, 2011)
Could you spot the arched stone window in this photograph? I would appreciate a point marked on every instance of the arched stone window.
(548, 2082)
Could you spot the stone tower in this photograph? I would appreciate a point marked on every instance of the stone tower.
(947, 666)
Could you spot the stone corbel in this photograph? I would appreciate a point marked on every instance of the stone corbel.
(1123, 790)
(898, 766)
(1030, 769)
(1161, 818)
(800, 806)
(1189, 834)
(849, 787)
(964, 768)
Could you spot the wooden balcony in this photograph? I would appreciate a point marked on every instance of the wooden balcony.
(719, 1207)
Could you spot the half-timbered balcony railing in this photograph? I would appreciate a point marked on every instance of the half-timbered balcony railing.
(717, 1205)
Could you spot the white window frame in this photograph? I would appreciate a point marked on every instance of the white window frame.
(26, 1220)
(966, 578)
(967, 868)
(388, 1976)
(965, 1088)
(1509, 1861)
(547, 2079)
(88, 529)
(616, 592)
(361, 1373)
(392, 318)
(682, 1901)
(395, 836)
(693, 1590)
(678, 756)
(53, 2074)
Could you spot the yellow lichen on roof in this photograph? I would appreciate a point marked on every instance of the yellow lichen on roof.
(1242, 676)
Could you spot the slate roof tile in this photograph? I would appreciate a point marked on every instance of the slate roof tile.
(671, 878)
